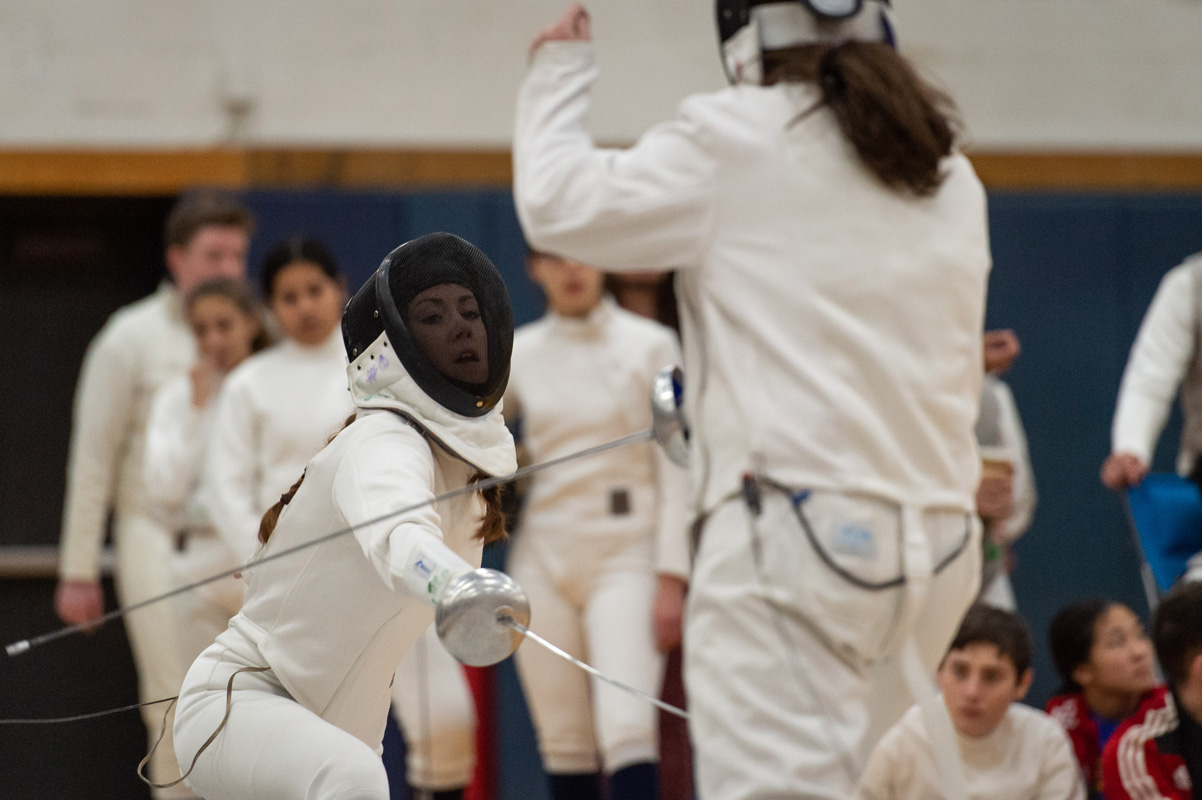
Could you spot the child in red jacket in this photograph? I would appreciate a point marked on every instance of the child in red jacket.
(1105, 661)
(1157, 753)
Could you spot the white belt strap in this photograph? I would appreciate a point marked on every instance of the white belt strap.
(918, 563)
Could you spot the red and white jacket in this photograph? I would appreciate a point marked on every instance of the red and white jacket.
(1072, 712)
(1145, 759)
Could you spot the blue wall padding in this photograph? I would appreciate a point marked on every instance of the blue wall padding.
(1072, 275)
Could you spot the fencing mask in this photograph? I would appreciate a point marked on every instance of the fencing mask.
(746, 28)
(446, 314)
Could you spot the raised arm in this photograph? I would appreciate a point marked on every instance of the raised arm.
(231, 473)
(175, 449)
(642, 208)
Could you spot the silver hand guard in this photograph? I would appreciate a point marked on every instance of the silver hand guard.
(467, 614)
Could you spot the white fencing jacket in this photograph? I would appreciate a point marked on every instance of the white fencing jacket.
(1166, 355)
(275, 411)
(177, 438)
(141, 347)
(333, 622)
(578, 383)
(1026, 757)
(832, 327)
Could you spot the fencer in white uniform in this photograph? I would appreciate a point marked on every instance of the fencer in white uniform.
(324, 629)
(140, 348)
(276, 411)
(832, 315)
(227, 325)
(598, 539)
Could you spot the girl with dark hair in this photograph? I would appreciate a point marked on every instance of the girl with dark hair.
(277, 411)
(227, 324)
(291, 700)
(831, 252)
(1106, 665)
(601, 547)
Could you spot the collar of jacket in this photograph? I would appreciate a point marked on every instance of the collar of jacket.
(378, 380)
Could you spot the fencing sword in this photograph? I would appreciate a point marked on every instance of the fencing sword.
(668, 429)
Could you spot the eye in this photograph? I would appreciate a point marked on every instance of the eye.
(471, 314)
(430, 319)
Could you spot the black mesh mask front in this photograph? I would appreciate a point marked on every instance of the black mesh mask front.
(461, 299)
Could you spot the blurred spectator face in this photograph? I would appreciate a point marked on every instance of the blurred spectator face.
(307, 302)
(572, 289)
(978, 685)
(224, 332)
(215, 251)
(1120, 659)
(1001, 348)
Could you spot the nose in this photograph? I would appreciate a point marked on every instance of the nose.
(460, 327)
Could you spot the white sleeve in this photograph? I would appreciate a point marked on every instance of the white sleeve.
(175, 445)
(1014, 439)
(378, 477)
(1158, 362)
(102, 423)
(878, 782)
(1059, 774)
(673, 515)
(644, 208)
(231, 474)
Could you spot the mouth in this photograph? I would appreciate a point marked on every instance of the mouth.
(468, 357)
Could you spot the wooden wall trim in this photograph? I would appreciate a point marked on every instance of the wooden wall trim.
(149, 172)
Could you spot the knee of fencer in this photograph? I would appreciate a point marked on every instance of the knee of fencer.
(351, 774)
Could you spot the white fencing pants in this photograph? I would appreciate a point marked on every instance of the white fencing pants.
(603, 618)
(144, 551)
(781, 660)
(434, 707)
(273, 748)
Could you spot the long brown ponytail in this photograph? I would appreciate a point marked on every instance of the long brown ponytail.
(900, 125)
(492, 524)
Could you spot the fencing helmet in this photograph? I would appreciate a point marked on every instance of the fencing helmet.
(747, 28)
(439, 307)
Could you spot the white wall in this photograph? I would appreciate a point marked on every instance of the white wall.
(1027, 73)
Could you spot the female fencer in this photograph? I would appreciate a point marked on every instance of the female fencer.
(832, 255)
(301, 677)
(275, 414)
(602, 545)
(228, 327)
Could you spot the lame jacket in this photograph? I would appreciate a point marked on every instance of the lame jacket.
(831, 326)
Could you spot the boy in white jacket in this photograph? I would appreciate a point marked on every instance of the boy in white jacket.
(1010, 751)
(140, 348)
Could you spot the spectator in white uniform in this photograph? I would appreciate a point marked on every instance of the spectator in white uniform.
(1164, 359)
(227, 324)
(309, 658)
(832, 255)
(1006, 496)
(275, 413)
(602, 545)
(1010, 751)
(140, 348)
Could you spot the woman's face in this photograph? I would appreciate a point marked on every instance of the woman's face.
(307, 302)
(445, 322)
(572, 289)
(224, 332)
(1121, 657)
